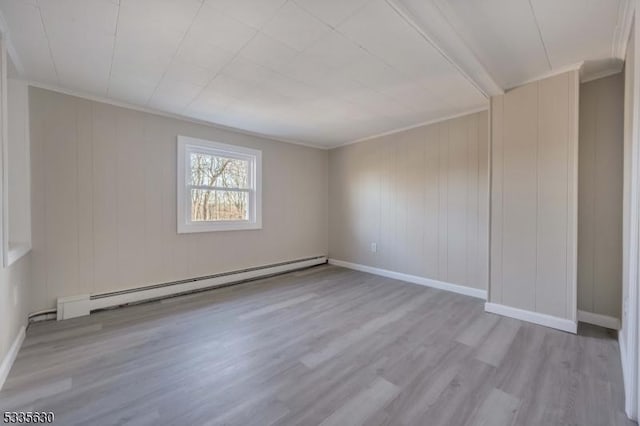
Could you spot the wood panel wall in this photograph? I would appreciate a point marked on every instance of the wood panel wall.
(600, 196)
(104, 201)
(421, 195)
(534, 197)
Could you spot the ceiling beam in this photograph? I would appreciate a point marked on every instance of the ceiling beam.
(434, 27)
(623, 29)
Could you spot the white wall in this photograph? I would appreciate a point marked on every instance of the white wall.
(19, 173)
(601, 149)
(104, 201)
(15, 281)
(421, 195)
(628, 334)
(534, 197)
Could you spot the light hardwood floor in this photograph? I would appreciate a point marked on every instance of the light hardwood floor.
(323, 346)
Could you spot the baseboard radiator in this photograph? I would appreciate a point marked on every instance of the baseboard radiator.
(82, 305)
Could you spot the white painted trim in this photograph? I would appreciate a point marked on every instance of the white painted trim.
(187, 145)
(626, 374)
(413, 126)
(573, 67)
(121, 104)
(599, 320)
(532, 317)
(572, 198)
(10, 357)
(4, 149)
(15, 253)
(441, 285)
(439, 32)
(630, 304)
(602, 74)
(145, 294)
(623, 29)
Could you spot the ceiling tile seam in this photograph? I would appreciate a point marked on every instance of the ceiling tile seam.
(353, 13)
(237, 54)
(175, 53)
(252, 26)
(399, 71)
(220, 70)
(544, 46)
(404, 16)
(318, 87)
(315, 86)
(46, 35)
(439, 5)
(311, 15)
(382, 60)
(340, 98)
(298, 53)
(113, 51)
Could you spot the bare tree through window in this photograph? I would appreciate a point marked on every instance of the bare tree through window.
(219, 188)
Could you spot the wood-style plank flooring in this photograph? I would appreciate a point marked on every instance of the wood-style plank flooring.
(324, 346)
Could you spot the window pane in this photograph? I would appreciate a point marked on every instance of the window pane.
(207, 205)
(213, 170)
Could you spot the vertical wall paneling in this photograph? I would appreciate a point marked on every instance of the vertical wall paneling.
(534, 151)
(600, 196)
(104, 198)
(428, 187)
(496, 198)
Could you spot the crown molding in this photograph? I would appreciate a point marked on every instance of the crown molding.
(602, 74)
(413, 126)
(121, 104)
(623, 29)
(573, 67)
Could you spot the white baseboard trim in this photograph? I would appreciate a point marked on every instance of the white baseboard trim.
(533, 317)
(74, 306)
(599, 320)
(10, 357)
(623, 361)
(627, 378)
(441, 285)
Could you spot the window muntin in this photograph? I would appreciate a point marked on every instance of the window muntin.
(220, 188)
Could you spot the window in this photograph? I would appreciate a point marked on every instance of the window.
(16, 171)
(219, 186)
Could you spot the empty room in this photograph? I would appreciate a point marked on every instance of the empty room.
(320, 212)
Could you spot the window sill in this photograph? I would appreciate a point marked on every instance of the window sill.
(15, 253)
(216, 227)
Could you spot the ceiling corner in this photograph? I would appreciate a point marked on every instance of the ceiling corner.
(11, 51)
(623, 28)
(432, 25)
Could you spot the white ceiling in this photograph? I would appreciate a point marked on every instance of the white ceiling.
(521, 40)
(322, 72)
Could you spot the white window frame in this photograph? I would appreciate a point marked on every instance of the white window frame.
(188, 145)
(14, 247)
